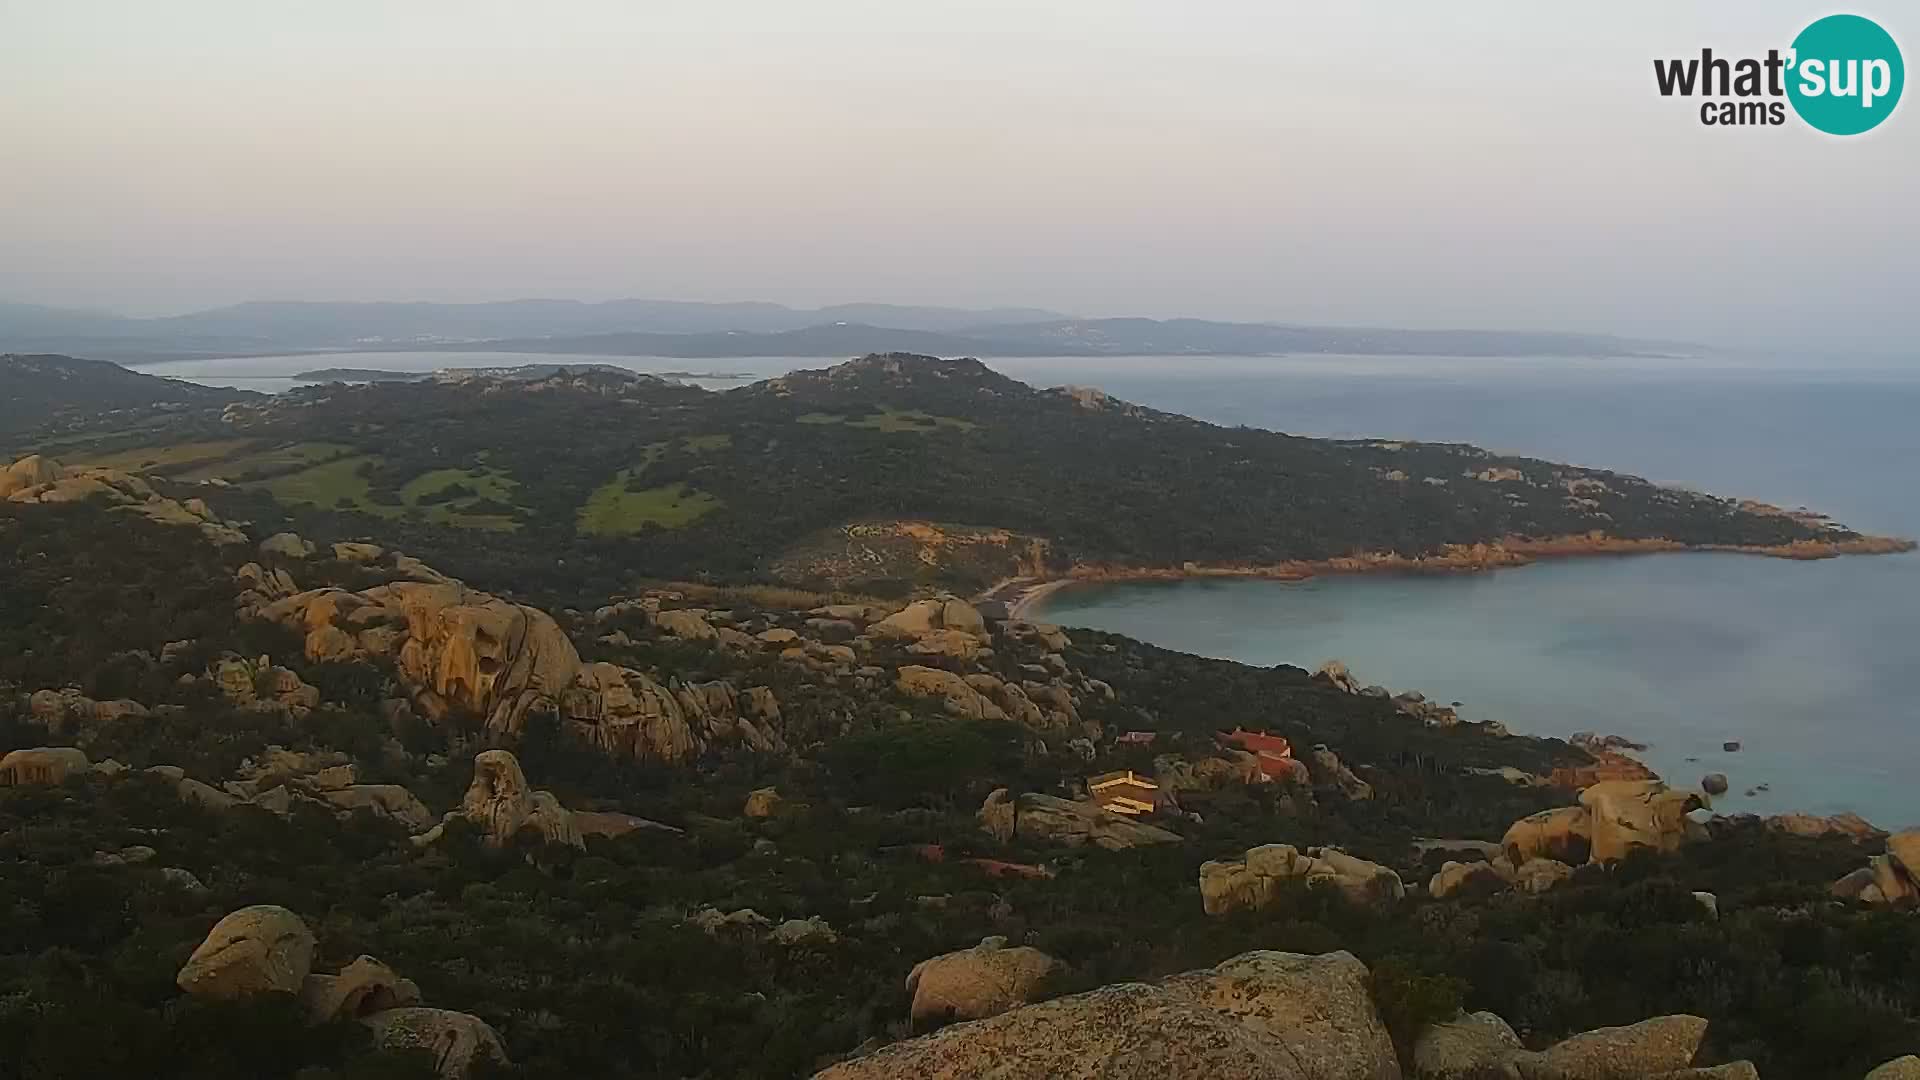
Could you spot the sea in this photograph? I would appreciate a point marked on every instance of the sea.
(1813, 668)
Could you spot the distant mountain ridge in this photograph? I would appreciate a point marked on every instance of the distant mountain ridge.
(39, 389)
(705, 330)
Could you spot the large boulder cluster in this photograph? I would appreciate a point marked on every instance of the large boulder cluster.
(1265, 1015)
(1613, 818)
(44, 481)
(500, 803)
(1256, 880)
(267, 949)
(973, 984)
(459, 651)
(1891, 879)
(1037, 817)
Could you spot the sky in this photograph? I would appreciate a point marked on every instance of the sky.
(1415, 164)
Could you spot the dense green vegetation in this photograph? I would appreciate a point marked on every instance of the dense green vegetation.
(596, 478)
(48, 393)
(585, 963)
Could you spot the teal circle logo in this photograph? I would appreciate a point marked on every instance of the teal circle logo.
(1846, 75)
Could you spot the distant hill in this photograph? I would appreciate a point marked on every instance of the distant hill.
(699, 330)
(295, 326)
(39, 389)
(818, 479)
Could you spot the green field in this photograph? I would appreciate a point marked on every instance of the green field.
(338, 485)
(271, 459)
(913, 420)
(612, 510)
(145, 458)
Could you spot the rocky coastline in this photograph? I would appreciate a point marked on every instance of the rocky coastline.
(1024, 596)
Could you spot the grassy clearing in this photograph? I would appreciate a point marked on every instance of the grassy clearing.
(146, 458)
(272, 459)
(334, 485)
(612, 510)
(893, 420)
(487, 483)
(700, 444)
(338, 485)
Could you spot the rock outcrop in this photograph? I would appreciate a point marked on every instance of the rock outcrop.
(500, 803)
(361, 989)
(1648, 1049)
(1265, 1015)
(462, 652)
(1564, 834)
(1254, 881)
(1469, 1047)
(976, 983)
(1626, 814)
(456, 1040)
(957, 696)
(1482, 1046)
(1849, 825)
(43, 480)
(1904, 1068)
(1614, 817)
(1330, 772)
(255, 950)
(1891, 879)
(1044, 817)
(1455, 878)
(942, 626)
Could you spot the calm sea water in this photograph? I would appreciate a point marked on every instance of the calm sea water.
(1813, 667)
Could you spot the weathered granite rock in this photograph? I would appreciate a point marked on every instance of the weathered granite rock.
(1564, 835)
(685, 623)
(1733, 1070)
(29, 472)
(255, 950)
(1335, 672)
(1626, 814)
(1044, 817)
(1714, 783)
(1474, 878)
(975, 983)
(455, 1039)
(812, 930)
(1904, 1068)
(1330, 772)
(501, 804)
(1633, 1052)
(361, 989)
(358, 553)
(287, 545)
(42, 766)
(1539, 875)
(957, 696)
(1469, 1047)
(762, 803)
(1256, 880)
(1852, 825)
(1264, 1015)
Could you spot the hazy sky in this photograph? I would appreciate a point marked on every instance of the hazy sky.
(1422, 164)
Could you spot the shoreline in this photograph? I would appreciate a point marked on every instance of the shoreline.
(1023, 596)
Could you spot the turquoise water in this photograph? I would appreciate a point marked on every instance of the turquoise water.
(1813, 667)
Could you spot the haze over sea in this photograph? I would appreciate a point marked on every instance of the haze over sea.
(1812, 667)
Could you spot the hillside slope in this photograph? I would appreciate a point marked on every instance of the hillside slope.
(37, 390)
(890, 473)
